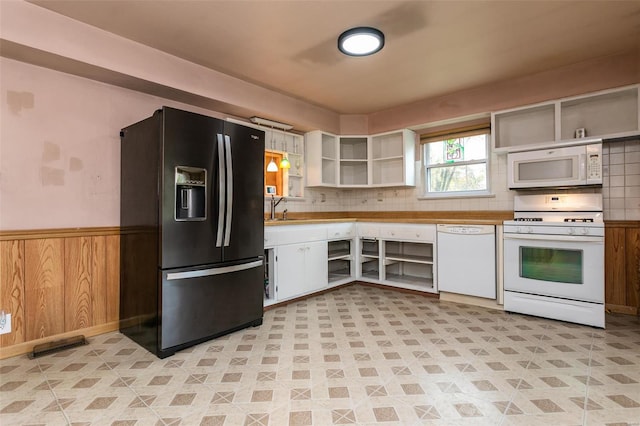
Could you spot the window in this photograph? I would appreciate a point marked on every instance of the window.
(457, 164)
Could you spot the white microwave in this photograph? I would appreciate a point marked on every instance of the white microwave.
(568, 166)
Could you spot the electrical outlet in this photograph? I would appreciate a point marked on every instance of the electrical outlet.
(5, 324)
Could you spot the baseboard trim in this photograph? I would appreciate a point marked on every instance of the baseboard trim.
(26, 347)
(621, 309)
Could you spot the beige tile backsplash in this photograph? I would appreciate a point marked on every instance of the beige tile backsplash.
(620, 190)
(621, 184)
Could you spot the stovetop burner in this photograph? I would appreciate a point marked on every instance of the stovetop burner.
(572, 219)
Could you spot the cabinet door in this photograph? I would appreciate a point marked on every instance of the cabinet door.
(316, 269)
(292, 277)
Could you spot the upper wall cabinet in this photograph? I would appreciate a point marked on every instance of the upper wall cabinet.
(607, 114)
(322, 158)
(386, 159)
(393, 158)
(354, 160)
(290, 182)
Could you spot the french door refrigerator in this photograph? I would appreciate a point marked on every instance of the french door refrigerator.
(192, 229)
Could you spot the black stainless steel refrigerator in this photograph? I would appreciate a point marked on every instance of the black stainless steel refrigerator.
(192, 220)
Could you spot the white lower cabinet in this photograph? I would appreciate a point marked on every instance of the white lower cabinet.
(296, 261)
(303, 259)
(400, 255)
(409, 264)
(300, 269)
(341, 253)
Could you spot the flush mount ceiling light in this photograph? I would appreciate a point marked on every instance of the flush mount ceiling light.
(361, 41)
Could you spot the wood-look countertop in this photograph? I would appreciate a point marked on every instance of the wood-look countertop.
(431, 217)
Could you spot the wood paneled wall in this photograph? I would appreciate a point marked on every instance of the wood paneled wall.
(67, 281)
(622, 267)
(58, 282)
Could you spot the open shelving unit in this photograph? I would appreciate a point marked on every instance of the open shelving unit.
(608, 114)
(370, 258)
(354, 161)
(390, 154)
(329, 159)
(340, 258)
(409, 263)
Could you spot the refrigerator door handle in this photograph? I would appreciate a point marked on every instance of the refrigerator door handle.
(227, 227)
(213, 271)
(222, 190)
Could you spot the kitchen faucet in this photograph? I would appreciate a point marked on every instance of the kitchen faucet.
(274, 203)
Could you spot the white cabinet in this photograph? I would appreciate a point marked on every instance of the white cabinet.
(294, 145)
(303, 259)
(288, 145)
(524, 127)
(401, 255)
(393, 159)
(341, 253)
(354, 160)
(386, 159)
(322, 158)
(296, 260)
(409, 264)
(301, 269)
(607, 114)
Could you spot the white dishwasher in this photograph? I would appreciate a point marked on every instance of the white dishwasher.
(467, 259)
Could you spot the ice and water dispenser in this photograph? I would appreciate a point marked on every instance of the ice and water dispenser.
(191, 193)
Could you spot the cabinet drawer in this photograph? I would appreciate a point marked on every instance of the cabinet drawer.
(340, 231)
(408, 232)
(369, 230)
(294, 234)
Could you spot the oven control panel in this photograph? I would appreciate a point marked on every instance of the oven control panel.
(591, 230)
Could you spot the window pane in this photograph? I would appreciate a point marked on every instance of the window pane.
(457, 150)
(472, 177)
(435, 151)
(475, 148)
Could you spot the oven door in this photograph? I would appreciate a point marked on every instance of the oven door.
(569, 267)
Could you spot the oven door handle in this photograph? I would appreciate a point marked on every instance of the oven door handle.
(539, 237)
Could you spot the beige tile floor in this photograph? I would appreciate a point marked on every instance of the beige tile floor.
(357, 355)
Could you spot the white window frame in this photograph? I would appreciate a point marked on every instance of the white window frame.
(455, 194)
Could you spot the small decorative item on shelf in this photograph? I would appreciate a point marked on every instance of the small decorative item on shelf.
(581, 133)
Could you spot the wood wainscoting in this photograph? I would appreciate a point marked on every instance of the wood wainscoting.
(58, 283)
(63, 282)
(622, 266)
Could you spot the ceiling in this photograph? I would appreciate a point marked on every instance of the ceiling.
(432, 47)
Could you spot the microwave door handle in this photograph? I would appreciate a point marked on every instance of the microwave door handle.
(221, 190)
(583, 168)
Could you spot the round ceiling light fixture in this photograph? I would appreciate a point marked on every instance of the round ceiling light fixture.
(361, 41)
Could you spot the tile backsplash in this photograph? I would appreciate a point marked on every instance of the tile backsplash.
(621, 183)
(620, 190)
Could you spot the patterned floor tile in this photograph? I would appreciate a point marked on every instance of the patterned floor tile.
(356, 355)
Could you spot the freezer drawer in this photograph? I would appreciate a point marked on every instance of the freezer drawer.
(199, 304)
